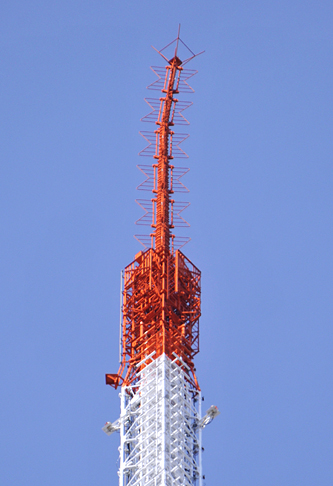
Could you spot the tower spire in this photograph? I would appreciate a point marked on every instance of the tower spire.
(162, 234)
(160, 422)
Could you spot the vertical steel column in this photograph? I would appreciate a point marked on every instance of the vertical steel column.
(160, 443)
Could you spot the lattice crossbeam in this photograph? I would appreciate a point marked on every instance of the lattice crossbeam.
(160, 440)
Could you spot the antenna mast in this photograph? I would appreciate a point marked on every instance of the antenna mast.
(160, 423)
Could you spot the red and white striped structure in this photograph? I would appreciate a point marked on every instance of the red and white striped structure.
(160, 422)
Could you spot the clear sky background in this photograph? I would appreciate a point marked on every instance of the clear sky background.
(72, 88)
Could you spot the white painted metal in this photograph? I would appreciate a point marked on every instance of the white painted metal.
(200, 443)
(160, 437)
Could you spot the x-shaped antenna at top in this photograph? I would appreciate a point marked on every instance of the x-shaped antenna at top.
(177, 40)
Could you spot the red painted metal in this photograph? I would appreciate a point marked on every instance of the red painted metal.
(162, 293)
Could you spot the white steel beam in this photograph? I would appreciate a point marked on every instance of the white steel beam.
(160, 440)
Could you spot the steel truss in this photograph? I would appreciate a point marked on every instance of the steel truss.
(160, 441)
(160, 423)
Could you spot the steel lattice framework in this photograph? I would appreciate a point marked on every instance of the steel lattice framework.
(160, 444)
(160, 423)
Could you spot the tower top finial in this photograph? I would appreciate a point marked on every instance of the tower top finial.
(178, 40)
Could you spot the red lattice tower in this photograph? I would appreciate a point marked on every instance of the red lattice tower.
(162, 294)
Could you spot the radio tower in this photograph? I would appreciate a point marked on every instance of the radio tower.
(160, 422)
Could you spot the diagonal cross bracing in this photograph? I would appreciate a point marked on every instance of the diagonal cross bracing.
(160, 441)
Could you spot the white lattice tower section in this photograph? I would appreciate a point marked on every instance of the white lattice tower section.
(160, 441)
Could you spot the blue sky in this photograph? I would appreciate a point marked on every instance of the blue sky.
(72, 91)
